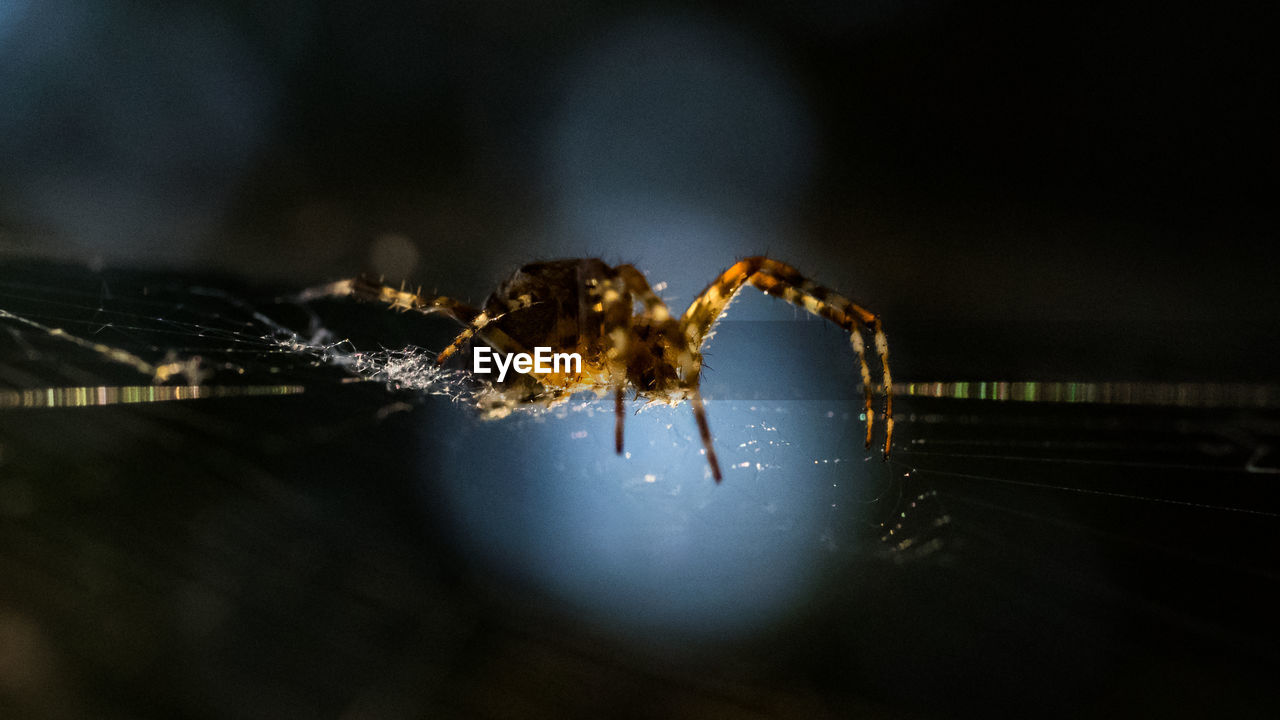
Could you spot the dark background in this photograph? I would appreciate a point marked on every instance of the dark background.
(1094, 178)
(1023, 191)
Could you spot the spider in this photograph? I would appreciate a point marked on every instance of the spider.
(625, 334)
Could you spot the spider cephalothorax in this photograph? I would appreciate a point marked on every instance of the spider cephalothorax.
(625, 334)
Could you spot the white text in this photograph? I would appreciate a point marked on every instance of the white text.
(542, 362)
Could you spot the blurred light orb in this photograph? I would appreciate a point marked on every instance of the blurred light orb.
(393, 256)
(645, 546)
(676, 132)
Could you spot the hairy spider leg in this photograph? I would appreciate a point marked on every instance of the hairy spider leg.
(657, 312)
(368, 288)
(619, 419)
(614, 310)
(704, 429)
(655, 309)
(478, 323)
(779, 279)
(882, 349)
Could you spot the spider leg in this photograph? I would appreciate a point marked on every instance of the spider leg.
(779, 279)
(368, 288)
(658, 314)
(700, 415)
(615, 326)
(478, 323)
(882, 348)
(620, 419)
(860, 349)
(655, 309)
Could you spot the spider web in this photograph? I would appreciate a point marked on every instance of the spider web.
(1005, 510)
(76, 334)
(84, 326)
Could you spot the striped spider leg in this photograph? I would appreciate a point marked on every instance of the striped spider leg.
(688, 366)
(476, 323)
(781, 280)
(367, 288)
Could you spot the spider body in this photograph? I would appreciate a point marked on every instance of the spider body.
(626, 335)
